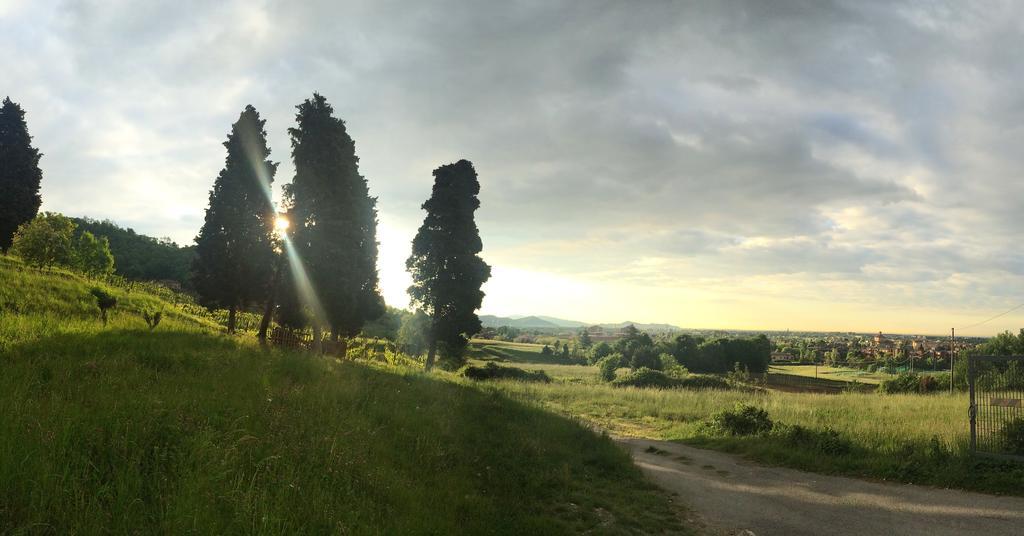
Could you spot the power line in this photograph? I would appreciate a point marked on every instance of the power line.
(1004, 313)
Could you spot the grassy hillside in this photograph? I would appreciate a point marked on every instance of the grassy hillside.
(910, 438)
(185, 430)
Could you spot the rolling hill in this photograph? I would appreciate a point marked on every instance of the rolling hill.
(182, 429)
(552, 323)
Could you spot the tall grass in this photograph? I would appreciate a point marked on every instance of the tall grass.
(910, 438)
(187, 430)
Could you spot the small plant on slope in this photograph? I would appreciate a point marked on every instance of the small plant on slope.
(743, 420)
(1013, 436)
(152, 319)
(104, 300)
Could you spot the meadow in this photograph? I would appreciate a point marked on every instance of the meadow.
(183, 429)
(844, 374)
(908, 437)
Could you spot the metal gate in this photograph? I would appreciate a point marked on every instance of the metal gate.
(996, 386)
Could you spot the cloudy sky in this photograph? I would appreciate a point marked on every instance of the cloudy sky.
(763, 165)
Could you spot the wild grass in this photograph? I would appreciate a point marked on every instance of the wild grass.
(186, 430)
(837, 373)
(909, 438)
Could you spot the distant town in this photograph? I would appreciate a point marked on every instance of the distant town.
(787, 346)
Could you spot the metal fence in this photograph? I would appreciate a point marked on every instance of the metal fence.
(996, 385)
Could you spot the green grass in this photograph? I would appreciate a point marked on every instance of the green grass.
(831, 373)
(909, 438)
(844, 374)
(529, 356)
(186, 430)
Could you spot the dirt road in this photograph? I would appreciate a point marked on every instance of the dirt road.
(732, 496)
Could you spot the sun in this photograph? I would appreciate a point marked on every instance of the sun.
(281, 223)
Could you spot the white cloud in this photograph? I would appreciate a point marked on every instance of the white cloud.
(863, 151)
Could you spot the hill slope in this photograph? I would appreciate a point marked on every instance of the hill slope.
(182, 429)
(550, 322)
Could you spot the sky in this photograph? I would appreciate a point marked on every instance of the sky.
(804, 165)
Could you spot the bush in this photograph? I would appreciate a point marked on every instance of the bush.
(494, 372)
(744, 420)
(909, 382)
(645, 377)
(48, 240)
(1012, 436)
(599, 352)
(609, 365)
(104, 300)
(672, 368)
(827, 441)
(152, 318)
(697, 382)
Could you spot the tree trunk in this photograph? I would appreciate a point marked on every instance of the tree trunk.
(432, 349)
(431, 353)
(268, 311)
(343, 347)
(318, 347)
(231, 319)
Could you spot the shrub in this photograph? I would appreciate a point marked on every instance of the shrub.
(697, 382)
(494, 372)
(609, 365)
(645, 377)
(672, 368)
(92, 255)
(1012, 436)
(599, 352)
(104, 301)
(827, 441)
(909, 382)
(744, 420)
(152, 319)
(739, 374)
(927, 384)
(48, 240)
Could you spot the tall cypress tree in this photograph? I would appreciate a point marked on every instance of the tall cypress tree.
(234, 249)
(19, 173)
(335, 220)
(445, 264)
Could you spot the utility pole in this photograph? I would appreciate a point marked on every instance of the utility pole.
(952, 354)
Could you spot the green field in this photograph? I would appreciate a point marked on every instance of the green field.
(186, 430)
(835, 373)
(529, 356)
(909, 438)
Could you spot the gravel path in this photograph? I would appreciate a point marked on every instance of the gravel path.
(729, 495)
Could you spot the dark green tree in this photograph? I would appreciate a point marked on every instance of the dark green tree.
(19, 173)
(445, 264)
(585, 340)
(142, 257)
(335, 222)
(234, 249)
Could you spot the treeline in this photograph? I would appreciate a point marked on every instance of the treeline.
(310, 264)
(637, 350)
(140, 257)
(313, 261)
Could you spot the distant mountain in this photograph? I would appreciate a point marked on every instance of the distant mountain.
(562, 323)
(549, 322)
(642, 326)
(526, 322)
